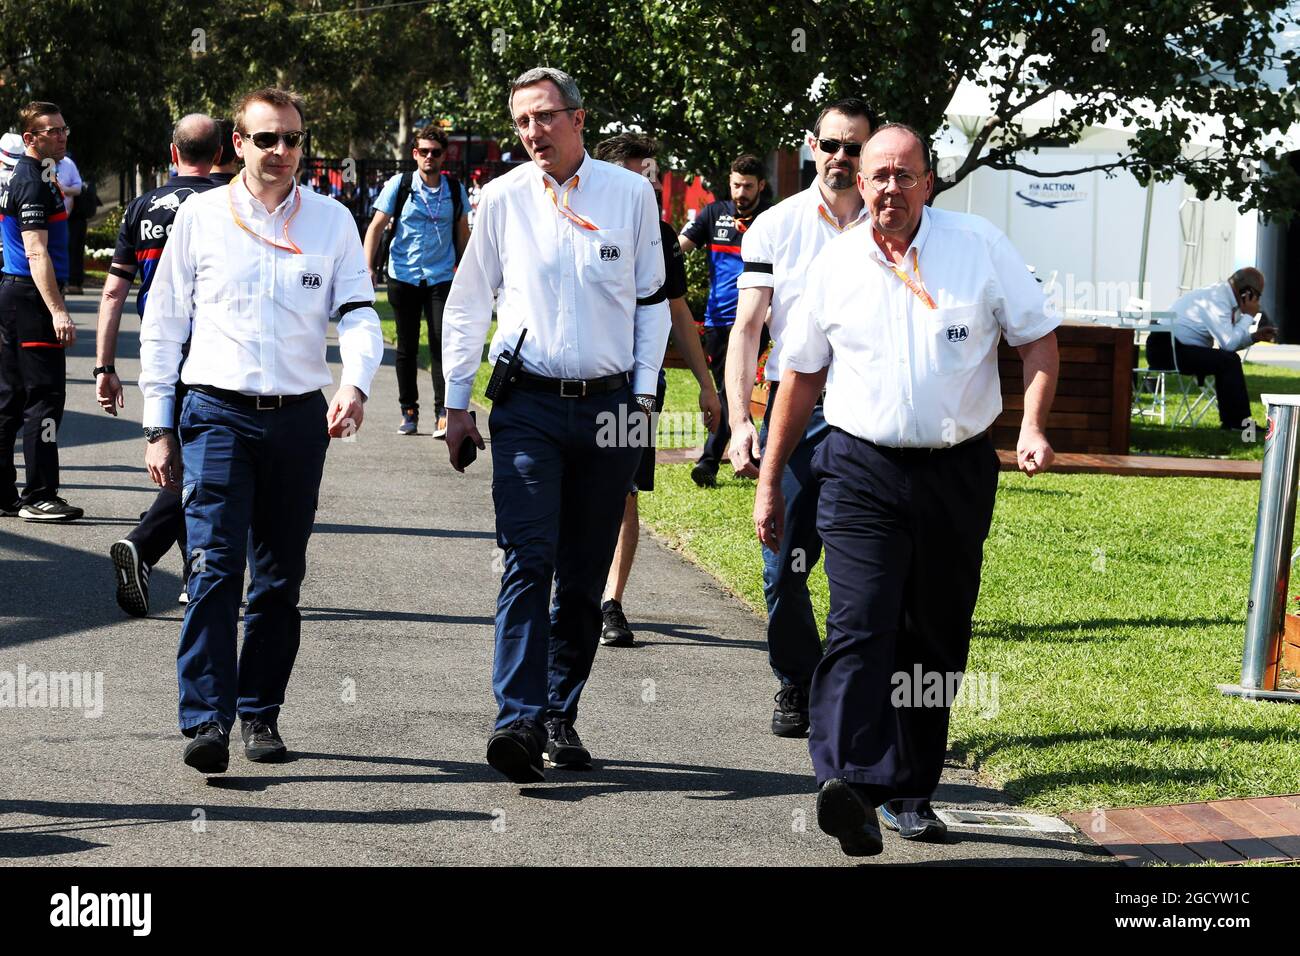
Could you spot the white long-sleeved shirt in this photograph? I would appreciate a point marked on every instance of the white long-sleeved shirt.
(1205, 316)
(903, 374)
(256, 315)
(573, 289)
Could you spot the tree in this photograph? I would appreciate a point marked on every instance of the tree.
(715, 79)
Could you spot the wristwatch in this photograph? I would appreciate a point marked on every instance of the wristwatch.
(152, 434)
(646, 403)
(94, 373)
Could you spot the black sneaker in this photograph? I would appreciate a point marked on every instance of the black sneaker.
(516, 751)
(843, 814)
(52, 509)
(616, 633)
(564, 747)
(10, 510)
(704, 475)
(209, 751)
(790, 719)
(914, 820)
(132, 578)
(262, 743)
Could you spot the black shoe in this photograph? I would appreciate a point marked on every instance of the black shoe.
(209, 751)
(914, 820)
(132, 578)
(706, 476)
(564, 747)
(790, 719)
(516, 751)
(262, 743)
(11, 510)
(843, 814)
(52, 509)
(616, 633)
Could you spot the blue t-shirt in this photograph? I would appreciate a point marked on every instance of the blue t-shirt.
(423, 249)
(718, 231)
(34, 202)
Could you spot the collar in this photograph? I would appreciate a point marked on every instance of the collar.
(816, 199)
(918, 241)
(1224, 297)
(189, 181)
(418, 183)
(585, 170)
(245, 201)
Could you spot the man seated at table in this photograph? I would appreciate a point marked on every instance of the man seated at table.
(1223, 314)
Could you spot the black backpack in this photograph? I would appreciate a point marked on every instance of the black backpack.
(404, 193)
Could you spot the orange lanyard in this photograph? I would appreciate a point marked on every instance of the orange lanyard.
(918, 286)
(821, 210)
(580, 221)
(290, 245)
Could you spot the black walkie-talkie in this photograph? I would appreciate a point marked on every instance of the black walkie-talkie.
(505, 371)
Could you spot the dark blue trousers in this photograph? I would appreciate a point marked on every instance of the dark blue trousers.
(904, 532)
(559, 483)
(793, 644)
(251, 481)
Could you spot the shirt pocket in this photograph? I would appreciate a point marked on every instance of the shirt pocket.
(303, 284)
(957, 339)
(609, 261)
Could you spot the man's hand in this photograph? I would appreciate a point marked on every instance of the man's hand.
(163, 459)
(346, 412)
(460, 424)
(1265, 333)
(64, 331)
(109, 393)
(376, 277)
(743, 450)
(1033, 452)
(710, 409)
(769, 513)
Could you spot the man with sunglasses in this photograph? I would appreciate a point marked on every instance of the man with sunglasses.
(430, 229)
(146, 225)
(899, 330)
(35, 327)
(718, 229)
(250, 275)
(777, 251)
(573, 245)
(1219, 315)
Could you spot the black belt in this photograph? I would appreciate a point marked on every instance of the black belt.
(262, 403)
(25, 280)
(571, 387)
(898, 451)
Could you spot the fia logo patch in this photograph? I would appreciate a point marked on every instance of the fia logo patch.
(609, 253)
(958, 333)
(310, 280)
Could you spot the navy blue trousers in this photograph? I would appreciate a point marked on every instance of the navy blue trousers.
(251, 481)
(559, 483)
(904, 533)
(793, 644)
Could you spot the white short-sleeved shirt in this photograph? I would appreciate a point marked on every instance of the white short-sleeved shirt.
(902, 374)
(778, 250)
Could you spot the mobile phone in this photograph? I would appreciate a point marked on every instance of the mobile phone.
(468, 452)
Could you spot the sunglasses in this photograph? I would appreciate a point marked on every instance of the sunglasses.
(833, 146)
(429, 153)
(268, 141)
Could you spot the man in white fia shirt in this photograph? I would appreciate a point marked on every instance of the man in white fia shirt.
(250, 275)
(573, 247)
(905, 317)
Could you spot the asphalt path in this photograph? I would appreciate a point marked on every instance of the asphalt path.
(390, 704)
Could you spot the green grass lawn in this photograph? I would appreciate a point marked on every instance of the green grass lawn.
(1110, 607)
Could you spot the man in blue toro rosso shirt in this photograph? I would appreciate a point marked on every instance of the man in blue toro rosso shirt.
(35, 327)
(718, 230)
(197, 142)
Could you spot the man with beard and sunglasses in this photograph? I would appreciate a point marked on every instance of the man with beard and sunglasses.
(778, 250)
(427, 208)
(251, 275)
(718, 229)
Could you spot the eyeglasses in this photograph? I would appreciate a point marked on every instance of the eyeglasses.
(880, 181)
(53, 131)
(429, 153)
(268, 141)
(833, 146)
(544, 119)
